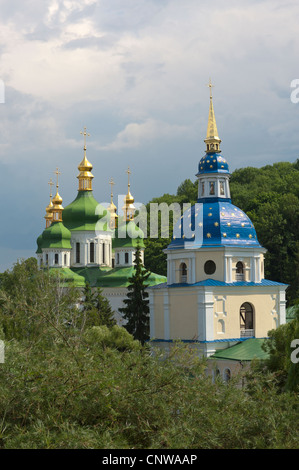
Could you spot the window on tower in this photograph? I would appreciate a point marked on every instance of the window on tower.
(183, 272)
(221, 188)
(103, 253)
(91, 252)
(56, 258)
(209, 267)
(246, 320)
(126, 258)
(240, 275)
(77, 252)
(212, 188)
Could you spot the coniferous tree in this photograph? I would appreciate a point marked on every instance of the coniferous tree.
(136, 311)
(103, 308)
(96, 309)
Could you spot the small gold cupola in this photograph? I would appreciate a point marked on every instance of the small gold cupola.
(212, 140)
(57, 202)
(85, 176)
(128, 207)
(112, 208)
(49, 209)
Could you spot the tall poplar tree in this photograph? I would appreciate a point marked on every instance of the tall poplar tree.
(136, 311)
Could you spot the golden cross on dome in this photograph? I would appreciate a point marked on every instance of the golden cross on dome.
(84, 134)
(50, 183)
(57, 172)
(210, 86)
(111, 182)
(129, 172)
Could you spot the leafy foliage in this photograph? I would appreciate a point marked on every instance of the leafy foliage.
(279, 347)
(129, 399)
(65, 387)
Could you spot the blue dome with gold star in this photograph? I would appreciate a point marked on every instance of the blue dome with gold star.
(213, 221)
(213, 224)
(213, 163)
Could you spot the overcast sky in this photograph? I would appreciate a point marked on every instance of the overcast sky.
(134, 72)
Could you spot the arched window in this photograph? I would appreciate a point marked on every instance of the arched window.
(246, 320)
(183, 272)
(126, 258)
(226, 375)
(216, 374)
(212, 188)
(77, 252)
(56, 258)
(221, 188)
(240, 275)
(91, 252)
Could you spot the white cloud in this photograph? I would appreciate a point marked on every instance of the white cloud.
(134, 72)
(136, 134)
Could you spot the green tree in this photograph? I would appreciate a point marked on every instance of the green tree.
(32, 299)
(136, 310)
(96, 308)
(280, 349)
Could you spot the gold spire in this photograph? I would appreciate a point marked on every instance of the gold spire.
(57, 201)
(49, 208)
(85, 176)
(129, 208)
(112, 208)
(212, 140)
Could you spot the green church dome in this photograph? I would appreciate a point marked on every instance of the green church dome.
(128, 235)
(56, 236)
(39, 242)
(85, 213)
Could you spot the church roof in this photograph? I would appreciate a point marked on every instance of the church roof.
(213, 163)
(106, 277)
(214, 223)
(243, 351)
(128, 235)
(55, 236)
(215, 283)
(84, 213)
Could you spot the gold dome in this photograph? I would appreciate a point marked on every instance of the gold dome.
(85, 176)
(128, 207)
(129, 198)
